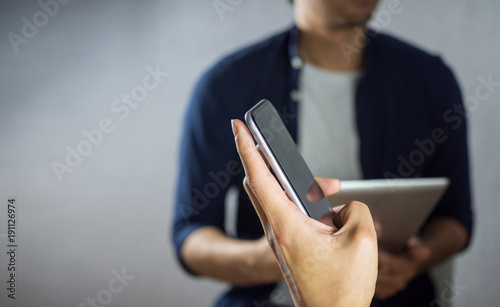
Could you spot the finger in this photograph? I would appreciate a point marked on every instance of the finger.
(314, 194)
(357, 216)
(328, 186)
(322, 187)
(268, 193)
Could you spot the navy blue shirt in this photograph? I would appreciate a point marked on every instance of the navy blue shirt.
(409, 117)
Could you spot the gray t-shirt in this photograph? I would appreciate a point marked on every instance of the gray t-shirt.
(327, 133)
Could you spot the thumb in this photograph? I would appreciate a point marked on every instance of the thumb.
(322, 187)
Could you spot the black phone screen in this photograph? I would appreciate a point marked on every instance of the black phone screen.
(289, 159)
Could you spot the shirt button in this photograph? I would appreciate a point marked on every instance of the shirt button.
(297, 62)
(295, 95)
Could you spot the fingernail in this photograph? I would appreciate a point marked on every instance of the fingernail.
(233, 126)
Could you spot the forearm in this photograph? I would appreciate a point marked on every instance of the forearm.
(444, 237)
(209, 252)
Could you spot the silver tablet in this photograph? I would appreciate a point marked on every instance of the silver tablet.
(399, 205)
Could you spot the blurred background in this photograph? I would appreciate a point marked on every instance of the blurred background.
(93, 171)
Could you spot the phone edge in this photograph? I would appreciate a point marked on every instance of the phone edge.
(252, 126)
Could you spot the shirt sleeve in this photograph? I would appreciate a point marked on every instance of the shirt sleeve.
(451, 157)
(207, 163)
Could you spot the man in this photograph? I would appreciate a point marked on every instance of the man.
(389, 101)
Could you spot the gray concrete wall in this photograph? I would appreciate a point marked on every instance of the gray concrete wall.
(108, 213)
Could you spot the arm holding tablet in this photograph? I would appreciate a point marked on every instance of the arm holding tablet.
(441, 238)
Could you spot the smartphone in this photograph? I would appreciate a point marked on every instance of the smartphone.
(285, 159)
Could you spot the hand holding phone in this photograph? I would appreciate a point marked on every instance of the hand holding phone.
(322, 266)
